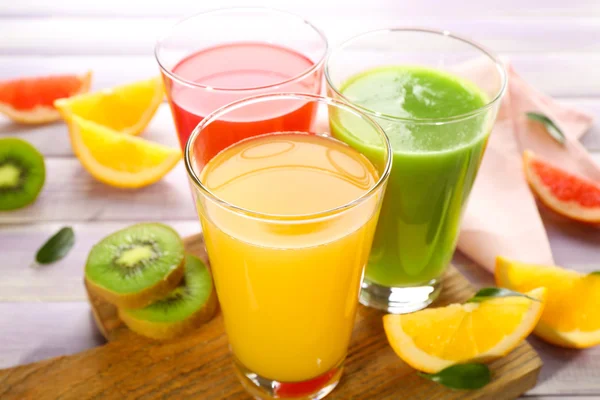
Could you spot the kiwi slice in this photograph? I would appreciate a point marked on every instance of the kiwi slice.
(136, 266)
(188, 306)
(22, 173)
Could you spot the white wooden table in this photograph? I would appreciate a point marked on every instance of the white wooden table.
(554, 44)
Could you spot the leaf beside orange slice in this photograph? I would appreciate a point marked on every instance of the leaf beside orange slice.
(571, 317)
(436, 338)
(31, 100)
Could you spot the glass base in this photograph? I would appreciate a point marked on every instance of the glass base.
(399, 300)
(265, 389)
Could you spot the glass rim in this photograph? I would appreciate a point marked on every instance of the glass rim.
(176, 77)
(215, 115)
(423, 121)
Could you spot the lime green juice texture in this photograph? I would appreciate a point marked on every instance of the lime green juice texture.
(434, 165)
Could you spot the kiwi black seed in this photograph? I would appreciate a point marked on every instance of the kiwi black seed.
(183, 310)
(136, 266)
(22, 173)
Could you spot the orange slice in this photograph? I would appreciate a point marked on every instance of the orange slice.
(571, 318)
(567, 194)
(119, 160)
(31, 100)
(433, 339)
(127, 109)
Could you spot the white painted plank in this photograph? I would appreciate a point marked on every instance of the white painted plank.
(61, 281)
(569, 74)
(567, 372)
(335, 7)
(52, 140)
(107, 70)
(71, 194)
(130, 36)
(32, 332)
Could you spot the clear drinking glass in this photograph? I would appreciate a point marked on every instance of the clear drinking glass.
(436, 96)
(216, 57)
(287, 281)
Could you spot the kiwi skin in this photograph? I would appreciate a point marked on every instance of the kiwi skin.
(32, 167)
(165, 331)
(144, 297)
(147, 295)
(155, 331)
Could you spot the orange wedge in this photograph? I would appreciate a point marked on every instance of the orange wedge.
(31, 100)
(433, 339)
(103, 125)
(119, 160)
(571, 317)
(126, 109)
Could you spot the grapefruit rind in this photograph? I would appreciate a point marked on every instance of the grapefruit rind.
(569, 209)
(404, 346)
(42, 114)
(575, 339)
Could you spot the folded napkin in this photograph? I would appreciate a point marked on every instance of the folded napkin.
(502, 217)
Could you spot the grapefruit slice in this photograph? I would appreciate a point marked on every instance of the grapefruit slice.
(31, 100)
(567, 194)
(436, 338)
(570, 318)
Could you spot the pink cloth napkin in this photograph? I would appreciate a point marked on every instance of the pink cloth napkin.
(502, 217)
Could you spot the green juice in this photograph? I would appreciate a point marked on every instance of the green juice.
(434, 165)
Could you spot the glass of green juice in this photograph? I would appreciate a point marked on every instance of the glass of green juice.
(436, 95)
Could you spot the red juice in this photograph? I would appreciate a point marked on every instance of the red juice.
(235, 71)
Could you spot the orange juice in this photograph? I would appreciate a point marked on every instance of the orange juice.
(288, 281)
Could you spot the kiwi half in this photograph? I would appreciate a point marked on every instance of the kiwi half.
(136, 266)
(22, 173)
(188, 306)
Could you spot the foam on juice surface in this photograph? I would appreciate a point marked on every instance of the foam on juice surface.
(418, 93)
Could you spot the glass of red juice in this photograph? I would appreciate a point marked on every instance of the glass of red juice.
(214, 58)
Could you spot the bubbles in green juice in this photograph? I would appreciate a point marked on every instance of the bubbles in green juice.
(418, 93)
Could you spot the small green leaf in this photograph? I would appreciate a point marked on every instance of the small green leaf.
(462, 376)
(551, 127)
(595, 273)
(491, 292)
(56, 247)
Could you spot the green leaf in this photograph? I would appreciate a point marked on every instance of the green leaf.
(56, 247)
(551, 127)
(595, 273)
(462, 376)
(492, 292)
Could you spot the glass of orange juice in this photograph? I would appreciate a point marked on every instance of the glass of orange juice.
(288, 214)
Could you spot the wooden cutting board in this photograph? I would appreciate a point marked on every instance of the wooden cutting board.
(199, 366)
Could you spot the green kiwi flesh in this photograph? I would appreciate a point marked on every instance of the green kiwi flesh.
(135, 259)
(191, 295)
(22, 173)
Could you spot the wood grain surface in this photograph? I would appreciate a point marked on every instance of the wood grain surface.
(199, 367)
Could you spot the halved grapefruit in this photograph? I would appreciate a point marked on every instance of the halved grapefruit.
(31, 100)
(567, 194)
